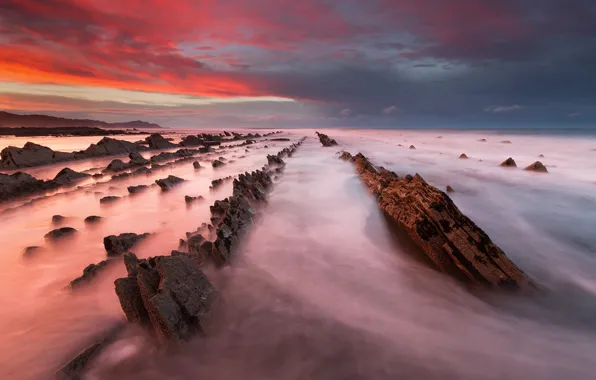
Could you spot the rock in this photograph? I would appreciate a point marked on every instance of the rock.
(89, 273)
(216, 183)
(345, 156)
(136, 189)
(452, 242)
(169, 182)
(274, 160)
(157, 141)
(217, 164)
(326, 140)
(279, 139)
(67, 176)
(137, 160)
(31, 250)
(97, 175)
(509, 163)
(31, 155)
(463, 156)
(196, 165)
(116, 165)
(211, 143)
(60, 233)
(449, 189)
(93, 219)
(109, 199)
(142, 170)
(412, 147)
(506, 142)
(108, 147)
(57, 219)
(168, 295)
(482, 140)
(189, 199)
(536, 167)
(191, 140)
(117, 245)
(541, 156)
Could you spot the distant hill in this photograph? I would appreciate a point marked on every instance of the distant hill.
(12, 120)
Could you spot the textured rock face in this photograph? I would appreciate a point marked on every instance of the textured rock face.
(116, 165)
(89, 273)
(326, 140)
(450, 239)
(108, 146)
(191, 140)
(136, 189)
(167, 294)
(136, 159)
(509, 163)
(157, 141)
(19, 183)
(31, 154)
(536, 167)
(169, 182)
(117, 245)
(67, 176)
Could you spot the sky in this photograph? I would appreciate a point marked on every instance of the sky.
(302, 63)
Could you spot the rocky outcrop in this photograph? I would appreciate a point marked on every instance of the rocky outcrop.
(117, 245)
(506, 142)
(452, 242)
(110, 147)
(116, 165)
(18, 184)
(189, 199)
(536, 167)
(60, 233)
(31, 154)
(67, 176)
(191, 140)
(89, 273)
(136, 159)
(509, 163)
(326, 140)
(220, 181)
(273, 160)
(136, 189)
(217, 164)
(166, 156)
(169, 182)
(168, 295)
(157, 141)
(109, 199)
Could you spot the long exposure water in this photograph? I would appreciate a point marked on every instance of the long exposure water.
(321, 288)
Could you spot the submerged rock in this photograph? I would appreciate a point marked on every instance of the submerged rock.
(196, 165)
(157, 141)
(89, 273)
(31, 250)
(509, 163)
(217, 164)
(93, 219)
(136, 189)
(412, 147)
(345, 156)
(449, 189)
(326, 140)
(453, 243)
(189, 199)
(506, 142)
(60, 233)
(216, 183)
(116, 165)
(536, 167)
(169, 182)
(463, 156)
(117, 245)
(169, 295)
(67, 176)
(191, 140)
(57, 219)
(31, 154)
(136, 159)
(109, 199)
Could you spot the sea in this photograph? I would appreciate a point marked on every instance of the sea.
(320, 288)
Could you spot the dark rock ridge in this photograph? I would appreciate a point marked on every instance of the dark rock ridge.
(93, 219)
(117, 245)
(60, 233)
(157, 141)
(189, 199)
(168, 295)
(220, 181)
(326, 140)
(89, 273)
(217, 164)
(21, 183)
(434, 223)
(509, 163)
(169, 182)
(136, 189)
(536, 167)
(280, 139)
(109, 199)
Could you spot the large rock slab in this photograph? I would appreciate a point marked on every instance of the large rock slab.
(67, 176)
(19, 183)
(453, 242)
(169, 182)
(157, 141)
(31, 154)
(108, 147)
(169, 295)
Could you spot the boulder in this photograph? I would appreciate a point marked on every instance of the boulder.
(169, 182)
(326, 140)
(116, 165)
(109, 199)
(136, 189)
(449, 189)
(168, 295)
(31, 154)
(60, 233)
(463, 156)
(93, 219)
(509, 163)
(452, 242)
(196, 165)
(117, 245)
(412, 147)
(157, 141)
(191, 140)
(67, 176)
(108, 147)
(536, 167)
(217, 164)
(56, 219)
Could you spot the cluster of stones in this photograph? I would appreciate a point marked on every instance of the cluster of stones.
(453, 242)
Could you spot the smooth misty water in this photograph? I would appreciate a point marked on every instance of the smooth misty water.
(321, 289)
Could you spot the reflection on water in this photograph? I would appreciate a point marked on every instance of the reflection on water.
(320, 290)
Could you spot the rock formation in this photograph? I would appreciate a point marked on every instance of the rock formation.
(89, 273)
(509, 163)
(117, 245)
(60, 233)
(109, 199)
(93, 219)
(157, 141)
(412, 147)
(169, 182)
(196, 165)
(536, 167)
(136, 159)
(189, 199)
(220, 181)
(136, 189)
(463, 156)
(217, 164)
(448, 238)
(326, 140)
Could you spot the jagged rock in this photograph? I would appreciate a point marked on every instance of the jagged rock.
(191, 140)
(136, 189)
(196, 165)
(536, 167)
(189, 199)
(509, 163)
(60, 233)
(275, 160)
(117, 245)
(449, 189)
(136, 159)
(116, 165)
(93, 219)
(31, 154)
(89, 273)
(109, 199)
(326, 140)
(57, 219)
(169, 182)
(19, 183)
(345, 156)
(217, 164)
(108, 147)
(220, 181)
(157, 141)
(412, 147)
(169, 295)
(434, 223)
(463, 156)
(67, 176)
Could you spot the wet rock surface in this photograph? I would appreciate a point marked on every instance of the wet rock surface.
(452, 242)
(169, 182)
(326, 140)
(136, 189)
(60, 233)
(89, 273)
(116, 245)
(93, 219)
